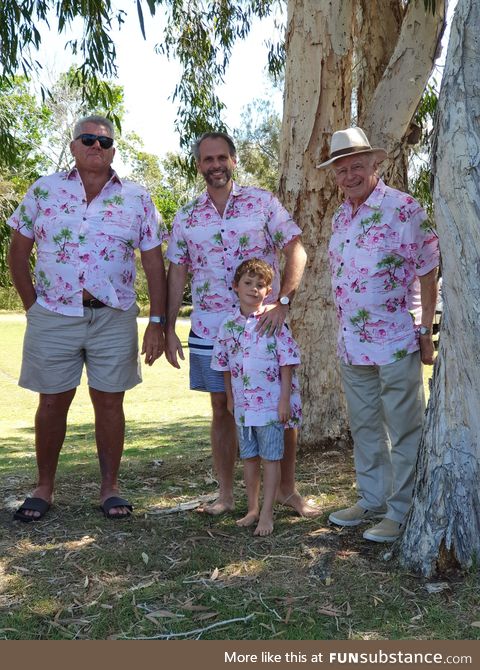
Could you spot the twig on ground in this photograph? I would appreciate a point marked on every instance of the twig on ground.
(269, 608)
(198, 631)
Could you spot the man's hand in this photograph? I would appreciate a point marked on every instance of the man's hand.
(153, 343)
(272, 320)
(173, 347)
(427, 349)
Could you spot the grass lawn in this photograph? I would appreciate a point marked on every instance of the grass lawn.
(76, 575)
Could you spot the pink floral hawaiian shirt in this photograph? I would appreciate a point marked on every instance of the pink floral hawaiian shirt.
(376, 258)
(82, 246)
(254, 224)
(254, 362)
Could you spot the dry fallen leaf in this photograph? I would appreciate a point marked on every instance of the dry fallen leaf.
(214, 575)
(475, 624)
(436, 587)
(145, 558)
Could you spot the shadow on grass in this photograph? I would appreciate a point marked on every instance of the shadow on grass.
(156, 440)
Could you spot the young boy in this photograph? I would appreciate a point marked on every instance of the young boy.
(261, 387)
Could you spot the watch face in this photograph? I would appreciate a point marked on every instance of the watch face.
(285, 300)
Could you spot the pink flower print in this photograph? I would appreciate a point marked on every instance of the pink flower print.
(107, 256)
(222, 360)
(84, 258)
(365, 359)
(382, 332)
(107, 214)
(41, 233)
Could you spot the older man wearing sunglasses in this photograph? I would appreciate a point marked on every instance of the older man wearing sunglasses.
(80, 306)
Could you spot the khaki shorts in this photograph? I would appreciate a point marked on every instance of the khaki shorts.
(56, 347)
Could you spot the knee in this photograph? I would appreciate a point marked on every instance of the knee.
(106, 402)
(55, 403)
(219, 406)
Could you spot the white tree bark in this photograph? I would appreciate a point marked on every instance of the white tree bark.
(444, 524)
(318, 100)
(400, 90)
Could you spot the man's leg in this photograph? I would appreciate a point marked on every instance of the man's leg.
(287, 493)
(361, 384)
(50, 428)
(224, 450)
(110, 435)
(404, 407)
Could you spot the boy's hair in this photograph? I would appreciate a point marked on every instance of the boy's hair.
(255, 266)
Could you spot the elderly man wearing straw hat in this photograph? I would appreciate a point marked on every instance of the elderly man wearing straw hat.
(383, 260)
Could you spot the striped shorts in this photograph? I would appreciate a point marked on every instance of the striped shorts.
(264, 441)
(202, 377)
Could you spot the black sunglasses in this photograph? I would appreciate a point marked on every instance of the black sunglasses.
(89, 140)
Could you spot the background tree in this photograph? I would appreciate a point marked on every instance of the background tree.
(22, 120)
(443, 528)
(258, 144)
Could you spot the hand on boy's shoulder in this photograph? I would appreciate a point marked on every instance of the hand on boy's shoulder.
(272, 319)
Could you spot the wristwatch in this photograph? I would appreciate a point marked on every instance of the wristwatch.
(284, 300)
(423, 330)
(162, 320)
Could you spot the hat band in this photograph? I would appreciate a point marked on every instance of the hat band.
(350, 150)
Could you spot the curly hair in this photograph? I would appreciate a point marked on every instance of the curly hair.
(252, 267)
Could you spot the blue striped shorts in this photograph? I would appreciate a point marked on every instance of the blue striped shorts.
(264, 441)
(202, 377)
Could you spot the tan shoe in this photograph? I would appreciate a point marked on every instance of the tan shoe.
(353, 516)
(385, 531)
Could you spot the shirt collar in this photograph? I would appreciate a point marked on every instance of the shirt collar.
(238, 314)
(205, 197)
(74, 174)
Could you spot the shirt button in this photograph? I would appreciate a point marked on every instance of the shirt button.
(84, 218)
(348, 241)
(230, 288)
(225, 248)
(222, 230)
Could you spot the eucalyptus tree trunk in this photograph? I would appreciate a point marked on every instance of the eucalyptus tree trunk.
(320, 47)
(444, 523)
(318, 89)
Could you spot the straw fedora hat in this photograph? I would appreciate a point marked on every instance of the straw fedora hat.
(348, 142)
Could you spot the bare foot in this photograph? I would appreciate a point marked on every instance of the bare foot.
(248, 519)
(299, 504)
(264, 527)
(218, 507)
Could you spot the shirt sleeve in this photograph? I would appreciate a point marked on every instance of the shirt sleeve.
(288, 352)
(281, 226)
(152, 229)
(23, 218)
(177, 251)
(220, 360)
(424, 249)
